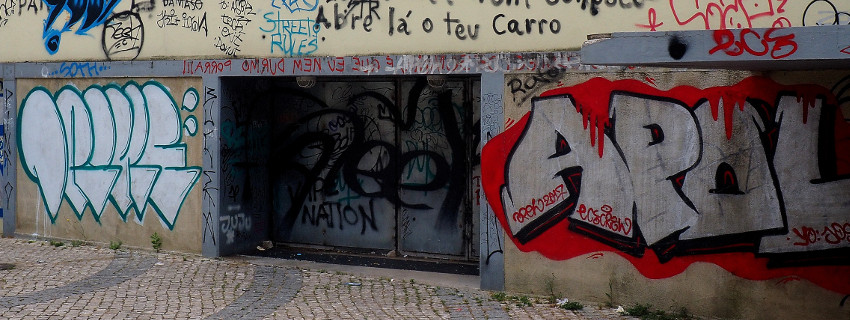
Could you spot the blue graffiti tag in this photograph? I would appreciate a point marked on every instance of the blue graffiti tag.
(92, 13)
(297, 5)
(296, 37)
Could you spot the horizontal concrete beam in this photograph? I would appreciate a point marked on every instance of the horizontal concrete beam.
(821, 47)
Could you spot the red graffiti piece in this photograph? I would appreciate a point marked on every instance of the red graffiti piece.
(834, 233)
(604, 218)
(206, 67)
(509, 123)
(734, 14)
(781, 23)
(750, 41)
(309, 65)
(592, 99)
(264, 66)
(540, 205)
(808, 235)
(653, 24)
(596, 255)
(650, 81)
(846, 50)
(366, 64)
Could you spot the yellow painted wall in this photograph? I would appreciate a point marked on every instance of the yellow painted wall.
(177, 29)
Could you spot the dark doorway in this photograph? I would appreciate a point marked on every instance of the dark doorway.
(363, 163)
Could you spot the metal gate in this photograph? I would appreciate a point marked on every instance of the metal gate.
(368, 163)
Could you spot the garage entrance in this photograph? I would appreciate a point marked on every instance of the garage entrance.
(361, 163)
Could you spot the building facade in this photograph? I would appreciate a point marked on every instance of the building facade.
(699, 160)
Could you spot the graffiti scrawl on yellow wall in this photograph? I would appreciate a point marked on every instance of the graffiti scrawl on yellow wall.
(68, 30)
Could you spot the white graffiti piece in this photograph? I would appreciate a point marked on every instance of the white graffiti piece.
(812, 220)
(108, 144)
(672, 173)
(555, 141)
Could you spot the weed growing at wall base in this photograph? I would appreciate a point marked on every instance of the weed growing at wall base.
(645, 312)
(521, 301)
(156, 241)
(571, 305)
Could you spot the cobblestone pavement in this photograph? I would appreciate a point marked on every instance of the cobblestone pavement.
(92, 282)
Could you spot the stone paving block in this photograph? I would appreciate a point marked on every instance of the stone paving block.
(90, 282)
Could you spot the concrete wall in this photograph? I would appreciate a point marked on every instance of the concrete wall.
(110, 160)
(723, 192)
(169, 29)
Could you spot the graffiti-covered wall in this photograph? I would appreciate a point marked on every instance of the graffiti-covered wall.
(722, 192)
(61, 30)
(110, 160)
(385, 164)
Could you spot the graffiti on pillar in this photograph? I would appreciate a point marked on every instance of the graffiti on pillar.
(491, 124)
(112, 144)
(4, 149)
(210, 174)
(753, 177)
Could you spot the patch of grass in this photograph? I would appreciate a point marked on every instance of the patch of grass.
(609, 302)
(156, 241)
(550, 288)
(115, 245)
(645, 312)
(499, 296)
(639, 310)
(572, 305)
(76, 243)
(523, 301)
(56, 243)
(520, 301)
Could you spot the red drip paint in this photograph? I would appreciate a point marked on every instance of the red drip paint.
(592, 101)
(593, 98)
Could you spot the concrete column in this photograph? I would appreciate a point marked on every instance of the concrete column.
(492, 258)
(212, 162)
